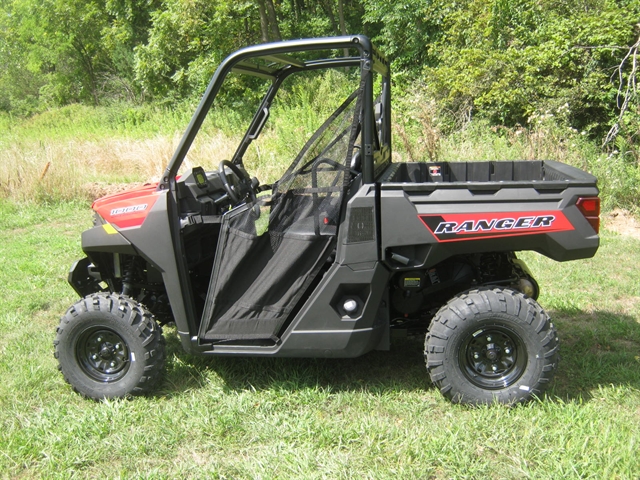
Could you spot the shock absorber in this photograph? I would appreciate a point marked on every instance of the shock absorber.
(127, 279)
(489, 267)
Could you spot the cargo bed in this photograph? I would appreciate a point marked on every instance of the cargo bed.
(463, 207)
(499, 173)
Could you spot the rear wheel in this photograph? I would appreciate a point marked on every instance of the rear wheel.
(109, 346)
(491, 345)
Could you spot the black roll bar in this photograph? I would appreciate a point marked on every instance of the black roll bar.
(283, 64)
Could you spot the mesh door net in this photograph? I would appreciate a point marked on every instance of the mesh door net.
(270, 251)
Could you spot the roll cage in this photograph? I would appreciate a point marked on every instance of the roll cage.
(275, 62)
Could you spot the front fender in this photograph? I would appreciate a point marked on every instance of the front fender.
(84, 279)
(105, 238)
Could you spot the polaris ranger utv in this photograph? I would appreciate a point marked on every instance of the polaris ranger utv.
(344, 247)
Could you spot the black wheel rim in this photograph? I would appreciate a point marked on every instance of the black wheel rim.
(493, 357)
(102, 354)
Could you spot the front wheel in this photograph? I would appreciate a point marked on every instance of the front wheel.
(109, 346)
(491, 345)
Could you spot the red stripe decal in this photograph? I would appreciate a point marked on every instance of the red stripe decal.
(454, 227)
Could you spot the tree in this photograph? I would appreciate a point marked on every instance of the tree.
(509, 60)
(273, 20)
(187, 40)
(70, 50)
(627, 96)
(406, 30)
(60, 42)
(501, 59)
(264, 21)
(129, 25)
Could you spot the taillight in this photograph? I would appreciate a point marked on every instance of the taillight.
(590, 208)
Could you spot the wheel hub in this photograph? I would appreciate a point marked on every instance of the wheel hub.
(492, 352)
(493, 357)
(103, 355)
(107, 351)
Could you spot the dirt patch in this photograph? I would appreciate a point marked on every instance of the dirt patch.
(622, 222)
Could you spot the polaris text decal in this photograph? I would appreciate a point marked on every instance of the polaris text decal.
(131, 209)
(454, 227)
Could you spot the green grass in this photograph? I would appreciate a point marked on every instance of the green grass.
(77, 121)
(376, 416)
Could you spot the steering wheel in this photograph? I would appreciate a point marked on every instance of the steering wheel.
(242, 188)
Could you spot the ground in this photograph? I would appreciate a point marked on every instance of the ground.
(622, 222)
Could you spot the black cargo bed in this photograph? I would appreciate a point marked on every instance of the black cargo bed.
(499, 173)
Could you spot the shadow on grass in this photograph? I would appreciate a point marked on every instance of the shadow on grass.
(400, 369)
(597, 349)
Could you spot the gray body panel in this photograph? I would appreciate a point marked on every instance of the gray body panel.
(161, 249)
(403, 232)
(364, 260)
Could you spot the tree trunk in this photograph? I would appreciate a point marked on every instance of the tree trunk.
(87, 62)
(343, 28)
(295, 9)
(329, 11)
(623, 99)
(264, 22)
(273, 20)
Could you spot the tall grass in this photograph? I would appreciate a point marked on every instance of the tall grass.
(83, 152)
(423, 132)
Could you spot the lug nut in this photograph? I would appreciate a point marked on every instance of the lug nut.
(112, 364)
(99, 339)
(488, 339)
(507, 350)
(476, 356)
(94, 357)
(494, 367)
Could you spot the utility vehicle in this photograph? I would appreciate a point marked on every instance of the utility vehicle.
(345, 247)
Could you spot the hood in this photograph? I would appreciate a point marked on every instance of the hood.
(130, 208)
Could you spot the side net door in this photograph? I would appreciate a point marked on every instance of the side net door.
(271, 250)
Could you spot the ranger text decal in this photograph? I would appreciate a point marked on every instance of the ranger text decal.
(454, 227)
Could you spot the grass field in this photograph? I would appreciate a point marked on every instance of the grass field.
(377, 416)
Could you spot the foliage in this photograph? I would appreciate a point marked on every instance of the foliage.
(407, 30)
(516, 58)
(502, 59)
(186, 42)
(510, 62)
